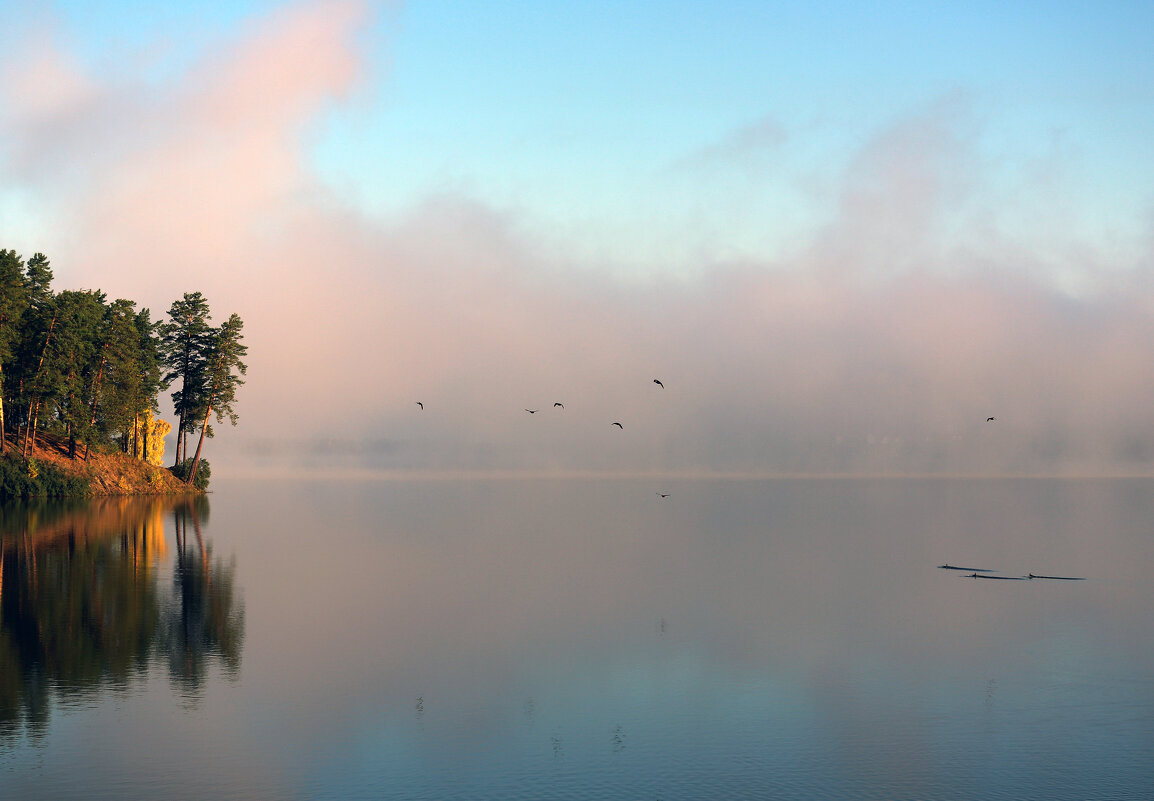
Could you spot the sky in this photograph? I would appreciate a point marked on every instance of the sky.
(843, 235)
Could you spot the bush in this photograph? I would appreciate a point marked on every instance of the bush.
(36, 479)
(56, 483)
(14, 480)
(203, 472)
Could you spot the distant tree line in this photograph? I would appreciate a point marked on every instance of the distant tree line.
(85, 370)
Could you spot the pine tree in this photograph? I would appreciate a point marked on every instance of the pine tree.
(225, 369)
(38, 326)
(74, 367)
(185, 343)
(13, 302)
(117, 385)
(148, 364)
(79, 367)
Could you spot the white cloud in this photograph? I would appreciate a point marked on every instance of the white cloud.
(882, 343)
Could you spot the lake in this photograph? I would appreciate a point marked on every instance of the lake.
(576, 638)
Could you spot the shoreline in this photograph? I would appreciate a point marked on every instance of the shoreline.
(102, 474)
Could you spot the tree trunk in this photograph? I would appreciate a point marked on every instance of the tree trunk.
(69, 429)
(96, 386)
(30, 432)
(3, 433)
(179, 429)
(27, 432)
(183, 452)
(200, 442)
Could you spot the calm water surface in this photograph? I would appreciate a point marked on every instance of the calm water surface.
(535, 639)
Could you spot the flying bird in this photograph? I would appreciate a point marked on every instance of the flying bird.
(991, 419)
(421, 405)
(663, 494)
(558, 403)
(532, 411)
(618, 425)
(657, 381)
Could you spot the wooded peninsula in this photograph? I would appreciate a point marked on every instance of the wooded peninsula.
(80, 382)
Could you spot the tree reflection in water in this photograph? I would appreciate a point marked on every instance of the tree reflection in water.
(83, 609)
(203, 620)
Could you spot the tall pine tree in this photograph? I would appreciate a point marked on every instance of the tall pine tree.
(225, 369)
(117, 383)
(185, 343)
(13, 301)
(38, 327)
(76, 367)
(149, 363)
(74, 364)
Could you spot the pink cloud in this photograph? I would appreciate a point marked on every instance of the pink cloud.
(42, 83)
(883, 345)
(192, 175)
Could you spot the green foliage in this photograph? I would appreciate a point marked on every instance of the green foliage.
(148, 362)
(75, 362)
(13, 300)
(14, 479)
(13, 303)
(222, 378)
(71, 363)
(118, 385)
(185, 342)
(184, 469)
(85, 369)
(36, 479)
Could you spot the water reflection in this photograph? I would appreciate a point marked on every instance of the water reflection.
(575, 639)
(618, 739)
(205, 621)
(84, 606)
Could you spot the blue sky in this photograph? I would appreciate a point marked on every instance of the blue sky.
(580, 116)
(592, 122)
(846, 231)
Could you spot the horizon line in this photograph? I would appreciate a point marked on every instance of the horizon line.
(516, 474)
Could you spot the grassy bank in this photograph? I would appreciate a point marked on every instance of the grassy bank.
(51, 472)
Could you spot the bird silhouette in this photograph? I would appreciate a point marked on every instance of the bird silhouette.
(657, 381)
(663, 494)
(421, 405)
(558, 403)
(618, 425)
(991, 419)
(532, 411)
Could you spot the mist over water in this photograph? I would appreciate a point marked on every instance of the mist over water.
(562, 638)
(933, 267)
(937, 275)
